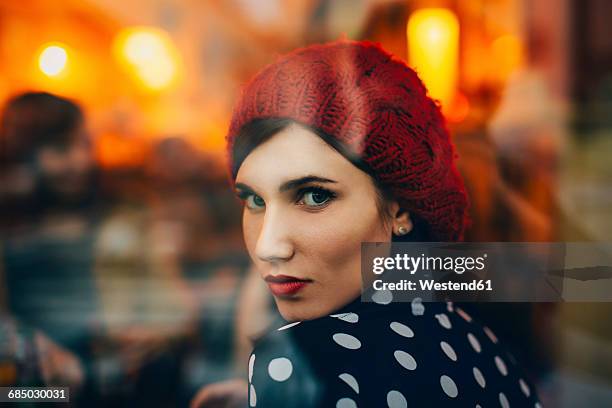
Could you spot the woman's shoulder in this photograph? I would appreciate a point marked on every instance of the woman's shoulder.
(374, 325)
(408, 332)
(433, 352)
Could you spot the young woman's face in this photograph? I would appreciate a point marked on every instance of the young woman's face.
(307, 211)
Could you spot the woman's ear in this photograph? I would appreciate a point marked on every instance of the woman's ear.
(402, 224)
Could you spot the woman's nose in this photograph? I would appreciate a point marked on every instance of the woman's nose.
(274, 243)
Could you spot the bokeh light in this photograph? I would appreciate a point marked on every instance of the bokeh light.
(149, 55)
(458, 110)
(433, 49)
(53, 59)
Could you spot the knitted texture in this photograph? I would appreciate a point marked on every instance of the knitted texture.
(378, 108)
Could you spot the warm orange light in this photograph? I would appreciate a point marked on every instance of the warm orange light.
(507, 52)
(433, 50)
(52, 60)
(149, 55)
(115, 150)
(459, 109)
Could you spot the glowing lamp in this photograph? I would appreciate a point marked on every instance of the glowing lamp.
(52, 60)
(433, 50)
(149, 55)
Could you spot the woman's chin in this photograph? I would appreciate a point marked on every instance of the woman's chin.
(307, 308)
(299, 309)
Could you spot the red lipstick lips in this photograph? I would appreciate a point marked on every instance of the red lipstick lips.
(284, 285)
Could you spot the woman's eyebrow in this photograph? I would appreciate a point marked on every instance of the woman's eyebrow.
(294, 183)
(287, 185)
(244, 188)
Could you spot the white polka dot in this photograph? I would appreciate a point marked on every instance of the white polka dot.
(382, 297)
(524, 388)
(478, 406)
(418, 309)
(463, 314)
(448, 386)
(448, 350)
(251, 365)
(474, 342)
(401, 329)
(449, 306)
(503, 401)
(347, 341)
(479, 377)
(501, 366)
(280, 369)
(490, 334)
(537, 405)
(287, 326)
(350, 380)
(405, 359)
(347, 317)
(252, 397)
(396, 399)
(443, 320)
(346, 403)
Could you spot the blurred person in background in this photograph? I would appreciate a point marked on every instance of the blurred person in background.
(130, 294)
(193, 223)
(67, 252)
(169, 265)
(48, 202)
(47, 159)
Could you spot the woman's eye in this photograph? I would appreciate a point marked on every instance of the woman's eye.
(254, 202)
(316, 198)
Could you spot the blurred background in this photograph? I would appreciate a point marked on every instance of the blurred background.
(122, 268)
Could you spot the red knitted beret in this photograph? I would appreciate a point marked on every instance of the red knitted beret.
(377, 107)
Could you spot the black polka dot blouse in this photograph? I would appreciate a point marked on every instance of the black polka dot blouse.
(393, 355)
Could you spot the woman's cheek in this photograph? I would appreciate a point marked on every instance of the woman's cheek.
(335, 237)
(324, 228)
(251, 227)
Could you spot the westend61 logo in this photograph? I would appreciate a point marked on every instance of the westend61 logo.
(412, 264)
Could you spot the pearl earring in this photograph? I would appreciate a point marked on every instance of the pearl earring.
(402, 230)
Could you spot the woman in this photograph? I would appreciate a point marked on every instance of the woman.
(331, 146)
